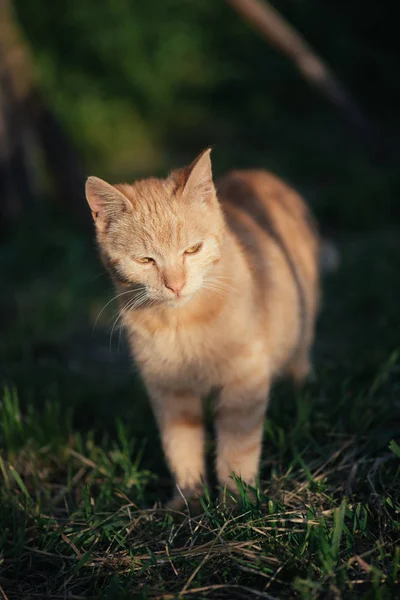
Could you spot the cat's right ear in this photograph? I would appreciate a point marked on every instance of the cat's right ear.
(104, 199)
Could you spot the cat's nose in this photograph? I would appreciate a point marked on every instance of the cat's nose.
(174, 279)
(175, 286)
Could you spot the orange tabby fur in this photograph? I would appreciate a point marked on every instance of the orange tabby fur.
(230, 317)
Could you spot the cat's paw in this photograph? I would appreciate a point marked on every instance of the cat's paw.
(186, 501)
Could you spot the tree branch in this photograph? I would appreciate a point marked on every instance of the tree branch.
(280, 34)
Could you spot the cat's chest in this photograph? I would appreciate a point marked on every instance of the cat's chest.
(193, 355)
(183, 346)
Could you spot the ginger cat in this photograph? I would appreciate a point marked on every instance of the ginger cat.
(219, 291)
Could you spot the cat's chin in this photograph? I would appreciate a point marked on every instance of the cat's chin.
(179, 301)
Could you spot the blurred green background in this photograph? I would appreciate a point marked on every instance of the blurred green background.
(141, 87)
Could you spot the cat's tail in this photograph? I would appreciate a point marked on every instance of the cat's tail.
(329, 256)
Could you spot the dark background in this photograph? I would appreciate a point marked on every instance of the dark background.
(143, 86)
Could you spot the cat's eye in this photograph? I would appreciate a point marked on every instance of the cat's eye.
(194, 249)
(144, 260)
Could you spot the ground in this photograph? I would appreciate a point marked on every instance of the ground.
(82, 478)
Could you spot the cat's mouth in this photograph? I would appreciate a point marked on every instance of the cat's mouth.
(177, 301)
(157, 297)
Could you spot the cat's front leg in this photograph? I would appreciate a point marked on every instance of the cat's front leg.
(180, 419)
(239, 420)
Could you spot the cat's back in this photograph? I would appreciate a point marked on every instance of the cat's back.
(263, 211)
(277, 234)
(263, 198)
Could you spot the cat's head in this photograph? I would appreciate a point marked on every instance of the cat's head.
(161, 236)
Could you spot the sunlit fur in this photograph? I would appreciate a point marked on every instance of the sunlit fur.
(230, 317)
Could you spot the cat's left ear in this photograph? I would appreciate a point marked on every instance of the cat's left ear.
(199, 179)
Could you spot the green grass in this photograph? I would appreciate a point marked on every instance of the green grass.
(82, 478)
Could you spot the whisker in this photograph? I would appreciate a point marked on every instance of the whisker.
(225, 288)
(112, 331)
(130, 305)
(222, 277)
(220, 284)
(109, 302)
(136, 298)
(101, 273)
(219, 291)
(217, 280)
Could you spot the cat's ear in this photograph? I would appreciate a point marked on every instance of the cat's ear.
(199, 179)
(104, 199)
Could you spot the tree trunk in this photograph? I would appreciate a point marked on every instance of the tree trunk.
(28, 127)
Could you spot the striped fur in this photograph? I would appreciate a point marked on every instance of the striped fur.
(232, 316)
